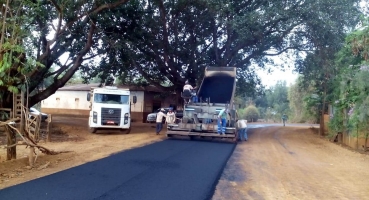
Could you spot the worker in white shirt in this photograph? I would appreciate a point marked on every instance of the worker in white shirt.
(187, 86)
(187, 90)
(242, 126)
(171, 116)
(159, 120)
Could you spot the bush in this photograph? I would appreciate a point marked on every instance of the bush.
(252, 114)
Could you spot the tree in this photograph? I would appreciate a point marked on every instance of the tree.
(51, 31)
(303, 107)
(251, 113)
(13, 61)
(166, 42)
(277, 97)
(171, 41)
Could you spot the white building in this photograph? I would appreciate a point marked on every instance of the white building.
(72, 100)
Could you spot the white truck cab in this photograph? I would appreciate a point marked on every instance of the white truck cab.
(110, 108)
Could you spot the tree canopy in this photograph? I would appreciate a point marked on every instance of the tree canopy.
(166, 42)
(170, 41)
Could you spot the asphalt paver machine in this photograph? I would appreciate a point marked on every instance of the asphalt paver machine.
(216, 92)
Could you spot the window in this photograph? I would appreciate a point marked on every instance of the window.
(111, 98)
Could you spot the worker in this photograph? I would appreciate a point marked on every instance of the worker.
(159, 120)
(188, 91)
(187, 86)
(241, 126)
(171, 117)
(222, 121)
(284, 119)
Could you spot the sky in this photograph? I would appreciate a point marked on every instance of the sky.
(271, 79)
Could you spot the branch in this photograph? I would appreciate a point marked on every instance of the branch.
(282, 51)
(60, 70)
(147, 76)
(76, 64)
(92, 12)
(32, 143)
(60, 18)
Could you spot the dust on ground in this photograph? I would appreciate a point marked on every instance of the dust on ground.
(71, 134)
(293, 163)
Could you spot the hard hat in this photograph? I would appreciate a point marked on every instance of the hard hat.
(162, 109)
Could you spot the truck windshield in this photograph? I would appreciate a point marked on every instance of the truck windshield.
(111, 98)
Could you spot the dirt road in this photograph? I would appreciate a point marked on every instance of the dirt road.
(293, 163)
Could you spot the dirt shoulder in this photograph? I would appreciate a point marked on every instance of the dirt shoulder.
(293, 163)
(71, 134)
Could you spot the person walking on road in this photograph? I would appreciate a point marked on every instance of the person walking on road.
(222, 121)
(159, 120)
(284, 119)
(241, 126)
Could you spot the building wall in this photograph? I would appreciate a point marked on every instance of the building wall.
(67, 100)
(75, 103)
(137, 108)
(67, 103)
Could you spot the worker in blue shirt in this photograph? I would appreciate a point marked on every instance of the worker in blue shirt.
(222, 121)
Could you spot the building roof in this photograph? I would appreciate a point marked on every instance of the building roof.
(149, 88)
(87, 87)
(79, 87)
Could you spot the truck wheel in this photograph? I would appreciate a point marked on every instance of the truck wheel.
(126, 131)
(92, 130)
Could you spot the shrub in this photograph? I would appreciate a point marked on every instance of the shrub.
(251, 114)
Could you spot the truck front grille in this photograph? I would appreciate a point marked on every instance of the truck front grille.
(110, 116)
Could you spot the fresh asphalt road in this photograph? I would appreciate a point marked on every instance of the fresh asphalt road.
(170, 169)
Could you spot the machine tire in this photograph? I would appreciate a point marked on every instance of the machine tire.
(126, 131)
(92, 130)
(235, 136)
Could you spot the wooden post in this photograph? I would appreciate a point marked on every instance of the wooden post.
(11, 153)
(31, 156)
(49, 125)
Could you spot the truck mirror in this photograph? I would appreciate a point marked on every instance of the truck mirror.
(134, 99)
(88, 96)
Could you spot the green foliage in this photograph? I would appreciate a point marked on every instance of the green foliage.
(14, 60)
(251, 114)
(164, 41)
(336, 122)
(351, 88)
(303, 103)
(4, 115)
(277, 98)
(175, 40)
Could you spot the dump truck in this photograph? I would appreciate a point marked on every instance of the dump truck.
(215, 93)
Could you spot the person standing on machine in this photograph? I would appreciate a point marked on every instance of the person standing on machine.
(187, 91)
(222, 121)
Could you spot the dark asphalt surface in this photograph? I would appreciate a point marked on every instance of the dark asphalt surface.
(171, 169)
